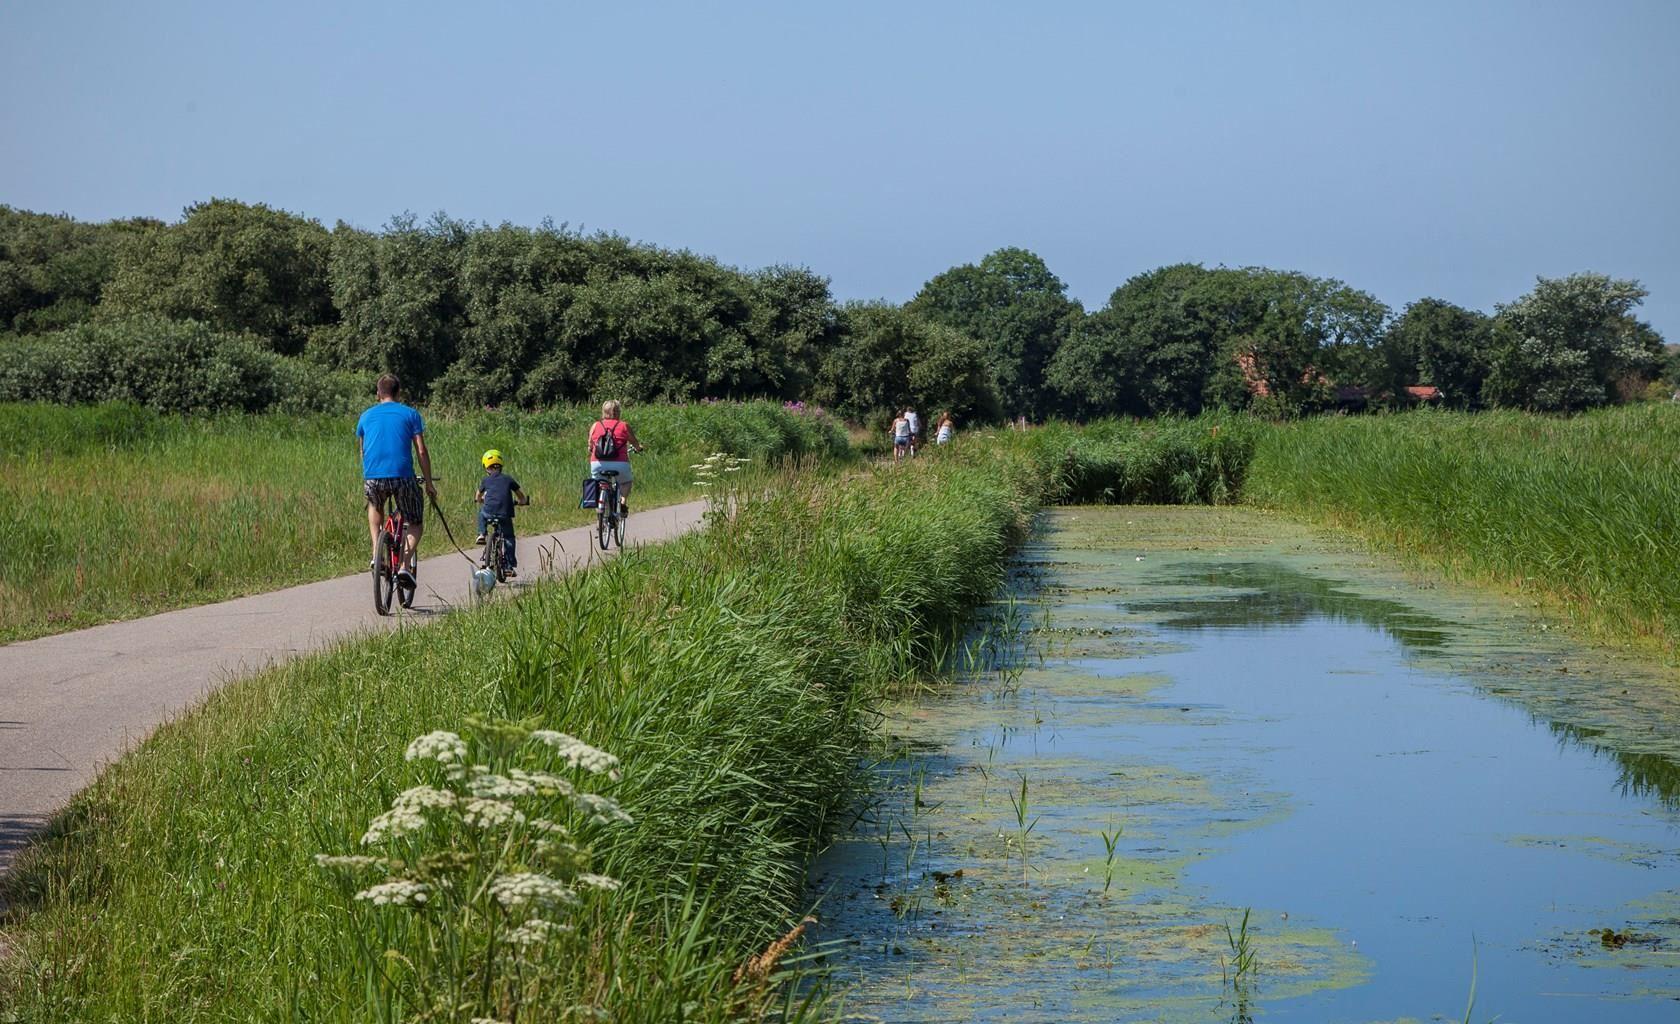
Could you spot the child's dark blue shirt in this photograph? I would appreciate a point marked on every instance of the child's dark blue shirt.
(498, 491)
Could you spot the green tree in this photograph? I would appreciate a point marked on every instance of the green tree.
(398, 293)
(886, 357)
(1014, 306)
(236, 266)
(53, 267)
(1572, 343)
(1435, 342)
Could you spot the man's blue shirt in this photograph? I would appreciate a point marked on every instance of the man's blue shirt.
(388, 431)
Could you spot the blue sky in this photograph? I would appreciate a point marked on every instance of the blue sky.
(1411, 149)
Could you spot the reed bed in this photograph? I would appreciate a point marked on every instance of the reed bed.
(1167, 461)
(115, 511)
(731, 671)
(1583, 512)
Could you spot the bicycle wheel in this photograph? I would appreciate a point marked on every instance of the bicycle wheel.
(603, 527)
(618, 528)
(384, 580)
(493, 551)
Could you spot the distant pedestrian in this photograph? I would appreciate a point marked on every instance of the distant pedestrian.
(915, 420)
(946, 430)
(900, 436)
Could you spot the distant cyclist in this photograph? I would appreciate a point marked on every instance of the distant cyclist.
(390, 434)
(610, 443)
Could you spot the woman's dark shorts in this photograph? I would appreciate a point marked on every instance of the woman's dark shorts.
(406, 491)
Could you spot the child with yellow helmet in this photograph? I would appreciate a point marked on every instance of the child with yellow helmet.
(497, 495)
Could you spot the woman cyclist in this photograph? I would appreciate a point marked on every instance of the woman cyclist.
(610, 443)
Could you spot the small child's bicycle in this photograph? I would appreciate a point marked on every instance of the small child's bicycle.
(495, 558)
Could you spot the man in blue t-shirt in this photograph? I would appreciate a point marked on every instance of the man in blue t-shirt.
(386, 433)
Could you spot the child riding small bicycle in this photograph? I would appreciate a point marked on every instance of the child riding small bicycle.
(497, 496)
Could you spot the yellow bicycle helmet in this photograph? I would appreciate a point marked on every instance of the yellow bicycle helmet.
(492, 458)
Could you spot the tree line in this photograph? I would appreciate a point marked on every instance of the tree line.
(244, 305)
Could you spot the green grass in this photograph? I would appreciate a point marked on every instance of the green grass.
(1583, 512)
(731, 670)
(115, 512)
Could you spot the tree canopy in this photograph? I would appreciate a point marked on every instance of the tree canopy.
(1017, 309)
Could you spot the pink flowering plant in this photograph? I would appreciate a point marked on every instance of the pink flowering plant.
(463, 887)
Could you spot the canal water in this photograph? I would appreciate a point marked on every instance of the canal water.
(1183, 719)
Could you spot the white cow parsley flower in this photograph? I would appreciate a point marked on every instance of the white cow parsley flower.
(528, 887)
(423, 798)
(440, 746)
(579, 754)
(398, 821)
(396, 893)
(601, 882)
(602, 810)
(536, 930)
(489, 814)
(352, 861)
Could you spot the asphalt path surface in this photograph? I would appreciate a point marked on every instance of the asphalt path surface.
(72, 703)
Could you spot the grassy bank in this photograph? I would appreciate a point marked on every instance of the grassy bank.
(1583, 512)
(119, 512)
(729, 671)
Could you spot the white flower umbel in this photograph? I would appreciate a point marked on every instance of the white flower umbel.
(490, 814)
(602, 810)
(351, 861)
(543, 783)
(397, 893)
(498, 787)
(424, 798)
(487, 1020)
(528, 888)
(398, 821)
(440, 746)
(578, 754)
(536, 930)
(601, 882)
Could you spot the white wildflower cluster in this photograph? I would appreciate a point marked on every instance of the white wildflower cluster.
(602, 810)
(578, 754)
(536, 930)
(490, 814)
(424, 798)
(396, 822)
(491, 786)
(529, 888)
(546, 784)
(706, 471)
(601, 882)
(487, 1020)
(407, 814)
(440, 746)
(351, 862)
(399, 892)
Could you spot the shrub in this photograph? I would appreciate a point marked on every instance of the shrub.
(164, 365)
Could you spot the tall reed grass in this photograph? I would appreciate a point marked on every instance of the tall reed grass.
(730, 670)
(1168, 461)
(1585, 511)
(114, 511)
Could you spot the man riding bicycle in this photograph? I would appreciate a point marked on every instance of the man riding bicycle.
(386, 433)
(610, 443)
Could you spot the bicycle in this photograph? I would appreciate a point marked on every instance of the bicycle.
(495, 556)
(609, 517)
(388, 560)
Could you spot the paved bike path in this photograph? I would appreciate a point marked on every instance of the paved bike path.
(72, 703)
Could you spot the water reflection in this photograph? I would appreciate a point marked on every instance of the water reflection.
(1261, 594)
